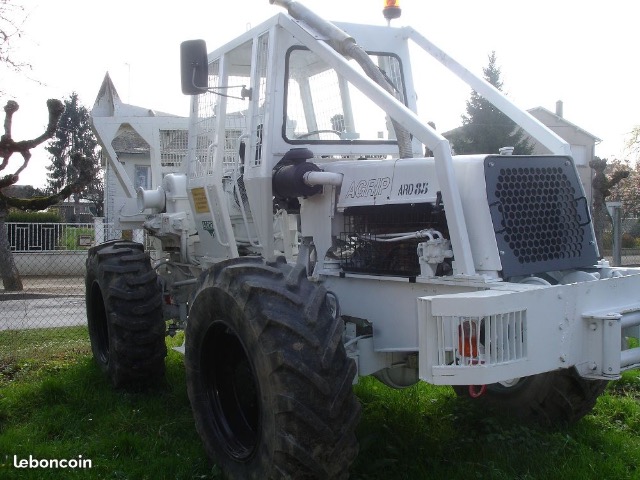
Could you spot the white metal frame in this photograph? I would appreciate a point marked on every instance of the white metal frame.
(531, 328)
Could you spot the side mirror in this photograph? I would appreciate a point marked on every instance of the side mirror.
(194, 67)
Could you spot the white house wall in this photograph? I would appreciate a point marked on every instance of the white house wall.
(582, 144)
(109, 114)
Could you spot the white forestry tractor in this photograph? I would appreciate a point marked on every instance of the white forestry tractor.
(306, 241)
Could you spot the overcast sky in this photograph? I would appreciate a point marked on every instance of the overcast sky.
(579, 51)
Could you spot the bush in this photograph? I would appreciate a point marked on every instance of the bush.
(19, 216)
(635, 230)
(628, 241)
(71, 235)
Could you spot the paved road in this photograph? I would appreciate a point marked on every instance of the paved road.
(18, 312)
(45, 302)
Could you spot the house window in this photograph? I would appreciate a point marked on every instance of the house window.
(142, 177)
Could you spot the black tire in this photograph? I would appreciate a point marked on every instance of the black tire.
(560, 397)
(268, 378)
(124, 314)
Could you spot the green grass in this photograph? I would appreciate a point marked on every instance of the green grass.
(65, 408)
(425, 432)
(54, 403)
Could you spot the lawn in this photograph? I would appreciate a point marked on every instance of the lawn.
(55, 404)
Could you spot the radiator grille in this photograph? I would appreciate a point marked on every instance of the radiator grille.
(539, 213)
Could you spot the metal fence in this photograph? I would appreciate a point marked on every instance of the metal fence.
(51, 261)
(51, 306)
(40, 237)
(622, 239)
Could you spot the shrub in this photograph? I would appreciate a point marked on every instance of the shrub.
(71, 235)
(635, 230)
(19, 216)
(628, 241)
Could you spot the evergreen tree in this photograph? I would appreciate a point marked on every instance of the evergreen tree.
(74, 135)
(485, 129)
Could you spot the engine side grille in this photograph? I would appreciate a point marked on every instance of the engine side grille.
(540, 214)
(364, 245)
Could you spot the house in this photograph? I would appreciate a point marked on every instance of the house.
(72, 212)
(139, 146)
(582, 142)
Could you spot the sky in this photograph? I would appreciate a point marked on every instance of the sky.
(577, 51)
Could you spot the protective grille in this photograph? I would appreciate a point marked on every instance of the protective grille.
(202, 137)
(323, 106)
(483, 340)
(368, 242)
(262, 59)
(173, 148)
(540, 214)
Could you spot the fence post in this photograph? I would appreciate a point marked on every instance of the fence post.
(614, 209)
(98, 228)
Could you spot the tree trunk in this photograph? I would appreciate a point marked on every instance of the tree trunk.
(10, 276)
(76, 208)
(600, 219)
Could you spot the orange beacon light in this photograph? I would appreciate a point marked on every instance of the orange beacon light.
(391, 9)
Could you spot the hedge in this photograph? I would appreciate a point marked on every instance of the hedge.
(33, 217)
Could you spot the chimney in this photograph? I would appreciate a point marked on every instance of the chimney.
(559, 108)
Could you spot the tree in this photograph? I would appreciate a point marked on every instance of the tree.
(74, 134)
(12, 16)
(603, 184)
(10, 275)
(485, 129)
(633, 144)
(626, 192)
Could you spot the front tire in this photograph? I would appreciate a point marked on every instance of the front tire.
(268, 378)
(554, 398)
(124, 315)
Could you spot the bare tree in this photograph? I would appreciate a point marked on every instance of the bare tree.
(633, 143)
(10, 275)
(12, 17)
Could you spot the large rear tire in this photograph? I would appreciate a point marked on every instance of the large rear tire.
(552, 398)
(124, 314)
(268, 378)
